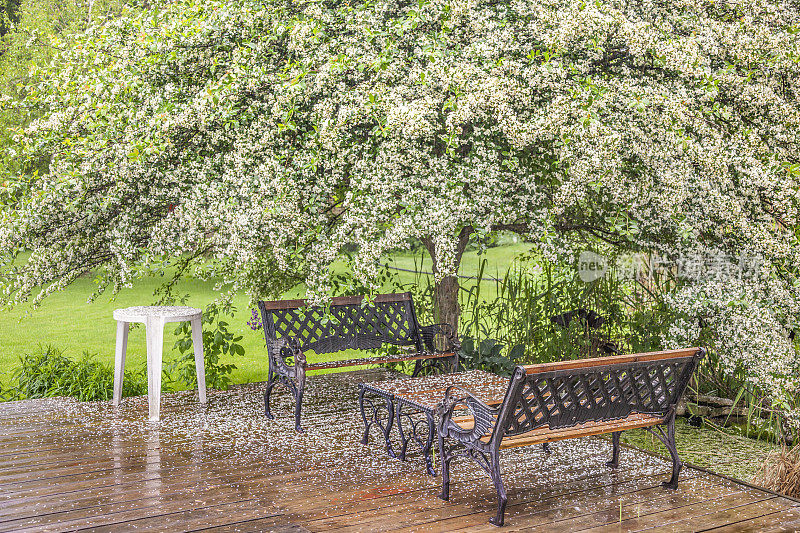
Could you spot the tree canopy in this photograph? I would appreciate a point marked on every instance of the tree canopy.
(9, 15)
(259, 140)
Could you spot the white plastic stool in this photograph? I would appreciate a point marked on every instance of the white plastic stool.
(154, 318)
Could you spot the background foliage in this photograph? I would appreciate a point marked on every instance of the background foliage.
(47, 372)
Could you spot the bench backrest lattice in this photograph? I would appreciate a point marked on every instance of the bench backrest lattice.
(595, 390)
(347, 323)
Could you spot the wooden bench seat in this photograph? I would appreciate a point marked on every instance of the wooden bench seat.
(564, 400)
(376, 360)
(545, 434)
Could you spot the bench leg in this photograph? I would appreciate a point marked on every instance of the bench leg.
(668, 440)
(298, 406)
(454, 363)
(677, 464)
(444, 460)
(502, 498)
(367, 422)
(271, 382)
(614, 462)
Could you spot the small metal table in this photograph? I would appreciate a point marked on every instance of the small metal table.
(405, 398)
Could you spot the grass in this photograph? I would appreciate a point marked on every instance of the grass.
(732, 455)
(66, 321)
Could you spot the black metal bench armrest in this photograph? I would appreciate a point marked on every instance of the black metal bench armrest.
(483, 416)
(286, 347)
(430, 332)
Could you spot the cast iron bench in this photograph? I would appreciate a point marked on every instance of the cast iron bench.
(564, 400)
(292, 328)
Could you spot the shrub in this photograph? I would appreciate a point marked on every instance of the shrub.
(217, 341)
(47, 372)
(488, 355)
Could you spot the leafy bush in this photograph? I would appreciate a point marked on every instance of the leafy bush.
(217, 341)
(488, 355)
(48, 372)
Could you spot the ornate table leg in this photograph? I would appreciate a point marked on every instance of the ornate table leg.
(375, 418)
(387, 430)
(426, 450)
(403, 438)
(413, 434)
(367, 422)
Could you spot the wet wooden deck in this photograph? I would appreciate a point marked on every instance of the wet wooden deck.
(71, 466)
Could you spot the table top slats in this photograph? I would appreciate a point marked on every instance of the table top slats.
(427, 392)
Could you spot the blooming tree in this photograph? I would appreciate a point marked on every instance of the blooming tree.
(258, 140)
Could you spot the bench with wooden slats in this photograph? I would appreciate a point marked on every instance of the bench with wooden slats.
(294, 328)
(564, 400)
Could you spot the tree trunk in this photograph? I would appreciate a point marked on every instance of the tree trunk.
(446, 307)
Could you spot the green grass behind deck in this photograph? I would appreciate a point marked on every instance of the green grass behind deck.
(68, 322)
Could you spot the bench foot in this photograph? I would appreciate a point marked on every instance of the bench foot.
(670, 484)
(502, 497)
(499, 519)
(677, 464)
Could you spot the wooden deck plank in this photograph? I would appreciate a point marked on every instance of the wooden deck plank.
(578, 478)
(189, 519)
(258, 525)
(782, 521)
(741, 508)
(141, 497)
(638, 504)
(693, 516)
(224, 468)
(593, 506)
(114, 494)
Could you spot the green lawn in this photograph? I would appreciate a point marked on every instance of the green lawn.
(67, 321)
